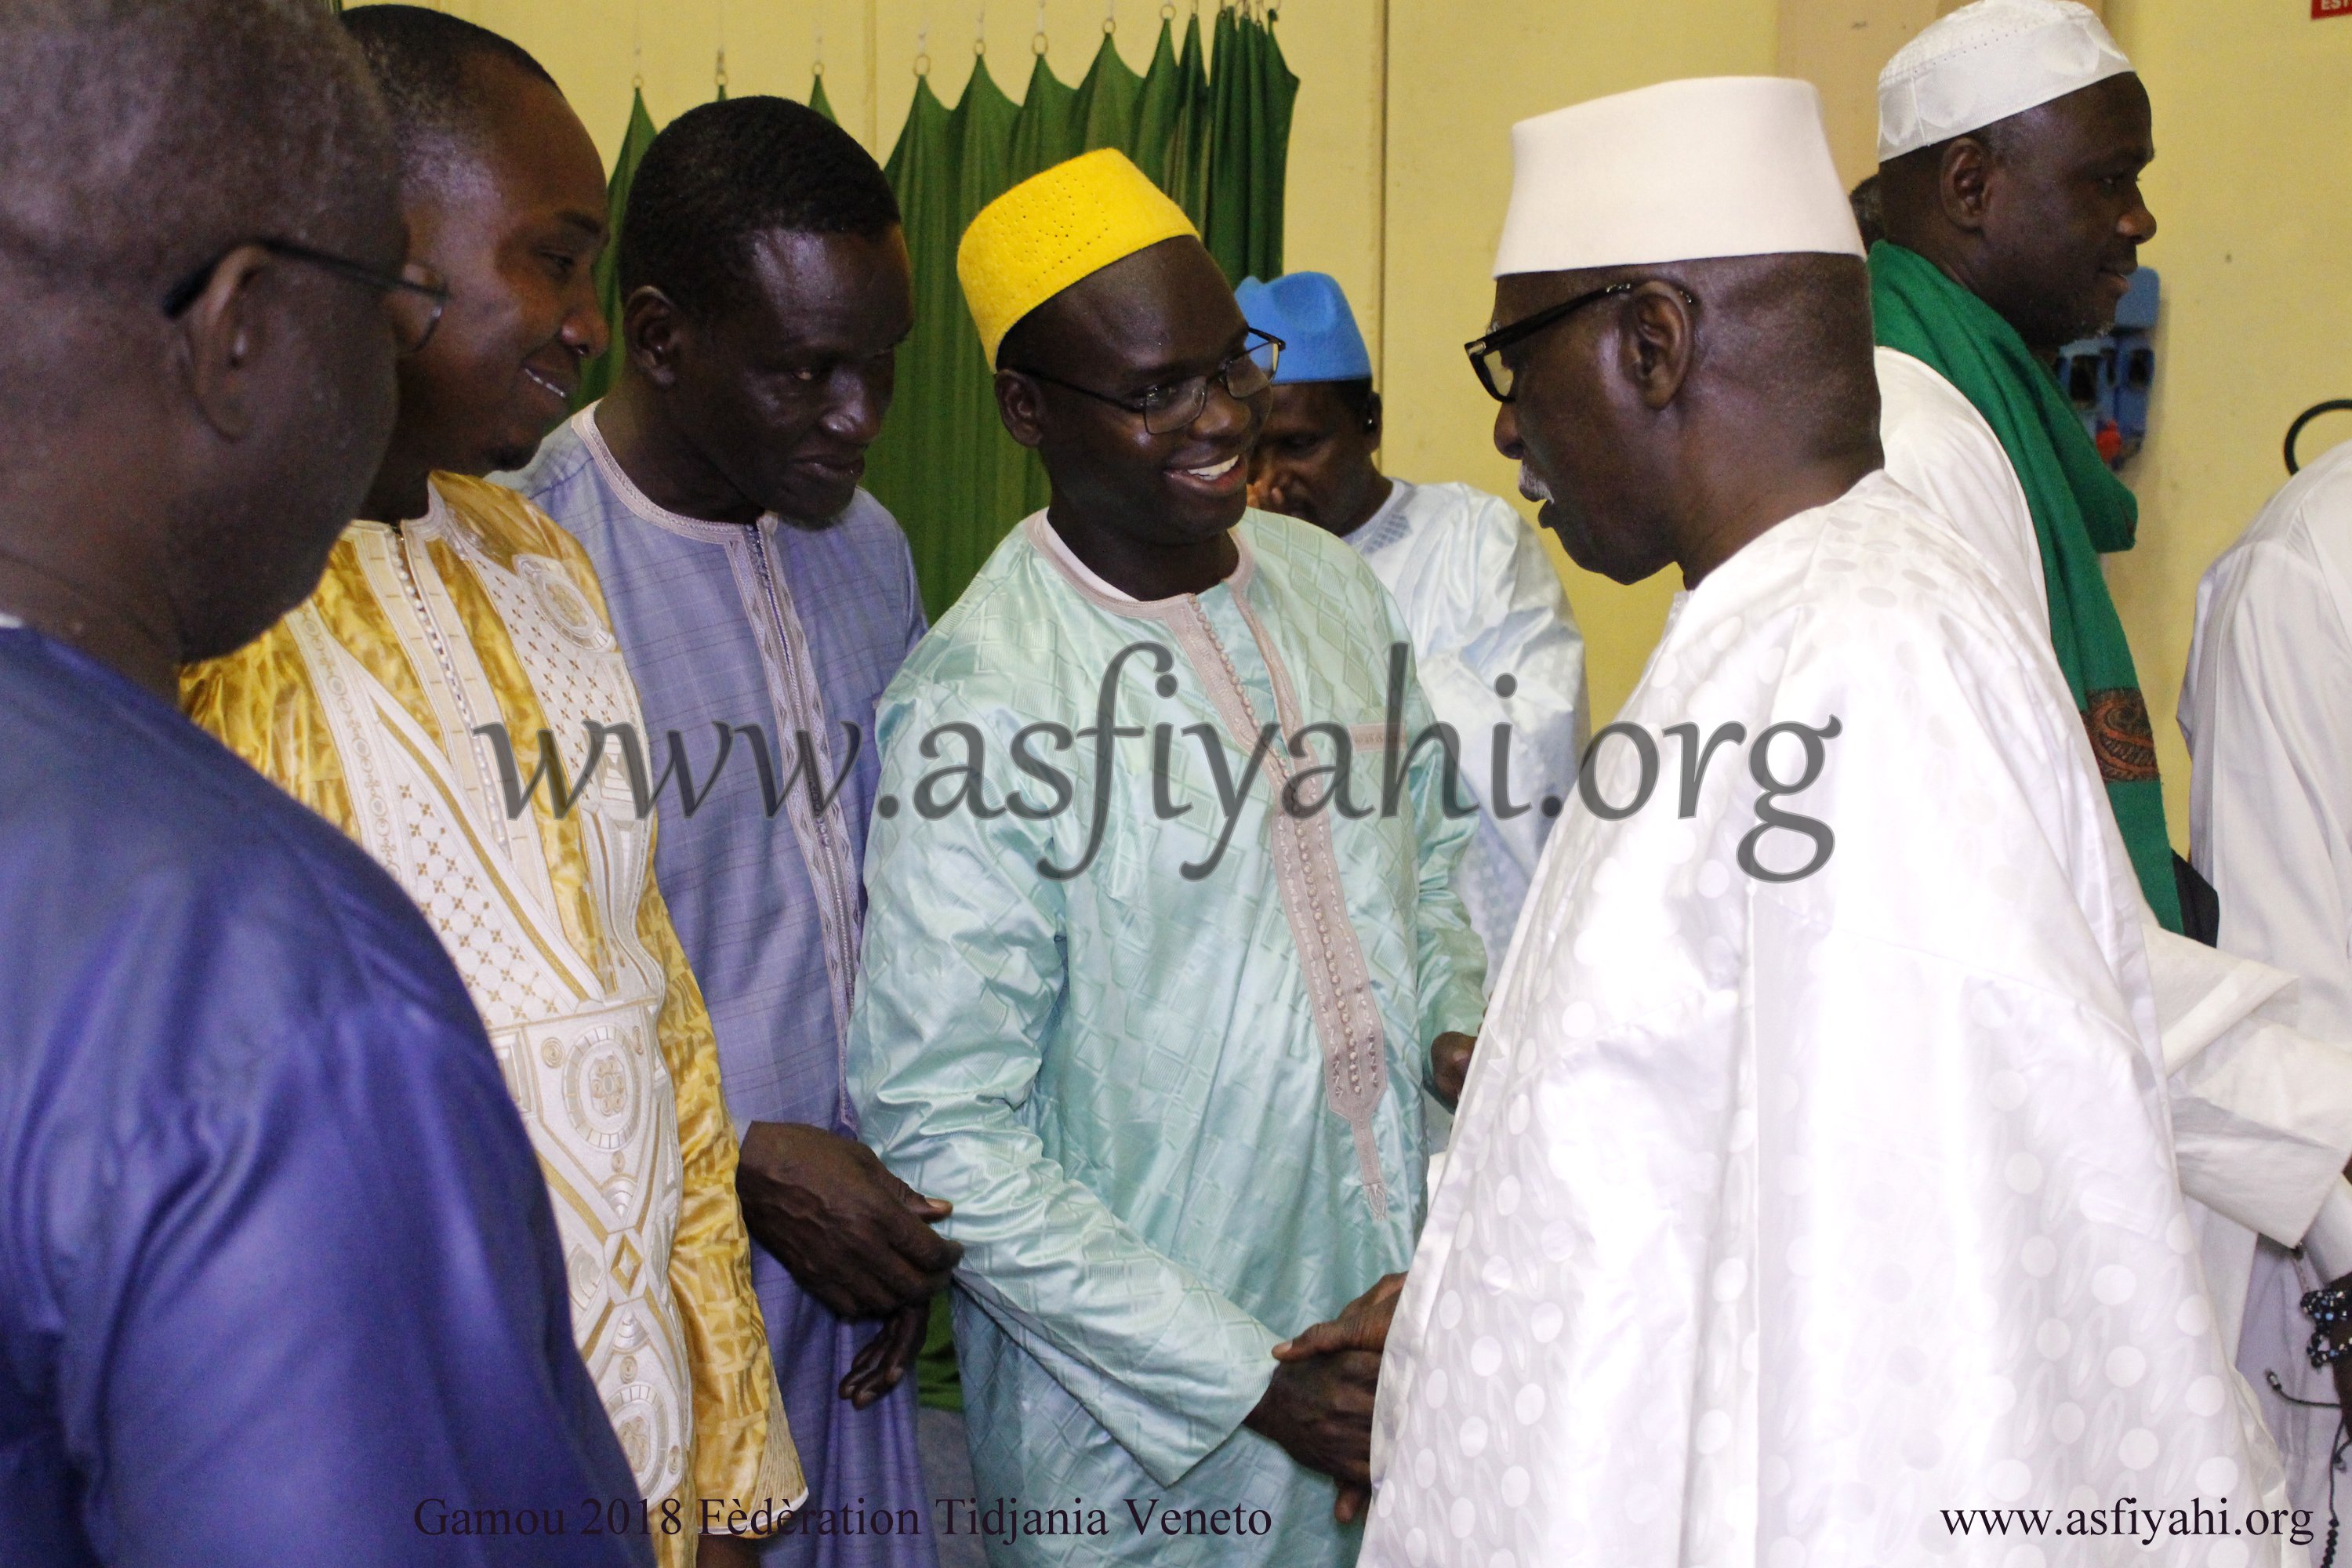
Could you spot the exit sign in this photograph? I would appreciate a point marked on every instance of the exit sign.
(2330, 8)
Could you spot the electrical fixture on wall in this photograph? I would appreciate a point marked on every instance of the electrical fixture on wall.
(2108, 378)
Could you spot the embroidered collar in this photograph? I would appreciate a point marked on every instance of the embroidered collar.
(1386, 525)
(1094, 589)
(583, 424)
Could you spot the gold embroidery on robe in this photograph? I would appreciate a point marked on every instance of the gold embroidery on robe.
(362, 704)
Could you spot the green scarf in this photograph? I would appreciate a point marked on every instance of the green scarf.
(2081, 510)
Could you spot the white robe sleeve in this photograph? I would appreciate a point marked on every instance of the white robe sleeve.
(2261, 1114)
(2263, 714)
(2268, 723)
(2271, 815)
(1940, 449)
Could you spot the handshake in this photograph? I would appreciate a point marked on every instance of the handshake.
(1319, 1405)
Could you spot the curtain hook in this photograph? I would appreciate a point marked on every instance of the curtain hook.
(980, 34)
(1037, 42)
(922, 52)
(1110, 17)
(820, 52)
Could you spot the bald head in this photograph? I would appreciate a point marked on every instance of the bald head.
(1670, 422)
(136, 147)
(439, 75)
(197, 374)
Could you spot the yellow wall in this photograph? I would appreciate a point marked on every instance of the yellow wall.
(1460, 72)
(1400, 164)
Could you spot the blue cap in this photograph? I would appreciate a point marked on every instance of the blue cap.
(1311, 315)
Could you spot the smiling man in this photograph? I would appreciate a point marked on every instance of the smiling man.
(407, 701)
(1150, 994)
(762, 600)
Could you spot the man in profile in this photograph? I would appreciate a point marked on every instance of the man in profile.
(1815, 1171)
(2011, 136)
(407, 701)
(278, 1273)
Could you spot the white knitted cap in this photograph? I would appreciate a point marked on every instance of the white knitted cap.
(1985, 62)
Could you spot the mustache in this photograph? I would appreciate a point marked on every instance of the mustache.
(1532, 484)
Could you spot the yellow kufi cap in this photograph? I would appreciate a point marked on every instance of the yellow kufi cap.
(1053, 229)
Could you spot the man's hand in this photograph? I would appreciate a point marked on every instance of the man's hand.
(1362, 1325)
(1449, 1066)
(884, 1360)
(1320, 1411)
(855, 1237)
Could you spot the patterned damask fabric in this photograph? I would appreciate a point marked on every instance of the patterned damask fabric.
(1783, 1216)
(1121, 1077)
(767, 897)
(366, 702)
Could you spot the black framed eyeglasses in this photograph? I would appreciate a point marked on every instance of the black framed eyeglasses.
(414, 297)
(1487, 353)
(1167, 409)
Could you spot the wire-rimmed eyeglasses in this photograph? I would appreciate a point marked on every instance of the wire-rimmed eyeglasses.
(1173, 407)
(414, 297)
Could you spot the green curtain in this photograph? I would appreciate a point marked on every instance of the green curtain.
(598, 375)
(1212, 126)
(1249, 144)
(818, 101)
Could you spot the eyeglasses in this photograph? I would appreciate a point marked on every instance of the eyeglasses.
(1167, 409)
(1487, 353)
(414, 297)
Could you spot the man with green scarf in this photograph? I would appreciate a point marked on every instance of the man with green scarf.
(2012, 137)
(2005, 240)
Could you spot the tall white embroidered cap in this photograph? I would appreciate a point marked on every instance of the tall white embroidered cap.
(1985, 62)
(1684, 171)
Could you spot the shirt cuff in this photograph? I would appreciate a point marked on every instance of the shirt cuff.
(2328, 1243)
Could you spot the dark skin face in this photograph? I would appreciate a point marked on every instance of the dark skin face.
(515, 225)
(1314, 458)
(1152, 514)
(768, 406)
(223, 451)
(1565, 426)
(1642, 455)
(2044, 220)
(765, 408)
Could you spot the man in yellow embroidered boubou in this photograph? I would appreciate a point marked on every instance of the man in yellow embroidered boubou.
(1155, 1025)
(445, 698)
